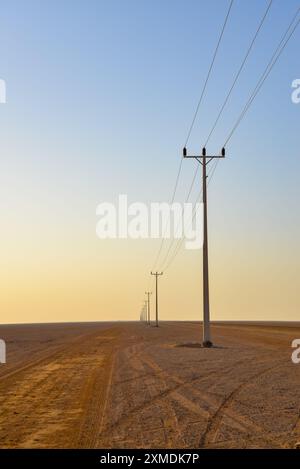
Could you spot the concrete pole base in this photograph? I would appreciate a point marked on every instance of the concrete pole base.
(207, 344)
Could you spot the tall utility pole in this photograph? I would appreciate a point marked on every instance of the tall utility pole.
(204, 161)
(157, 274)
(148, 293)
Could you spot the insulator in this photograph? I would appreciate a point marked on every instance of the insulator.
(223, 151)
(184, 152)
(203, 151)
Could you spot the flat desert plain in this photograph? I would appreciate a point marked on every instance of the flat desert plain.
(128, 385)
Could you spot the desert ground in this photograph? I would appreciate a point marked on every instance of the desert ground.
(128, 385)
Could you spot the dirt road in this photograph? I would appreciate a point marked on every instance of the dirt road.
(129, 385)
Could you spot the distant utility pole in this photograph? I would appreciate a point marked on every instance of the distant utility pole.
(148, 293)
(157, 274)
(204, 160)
(145, 312)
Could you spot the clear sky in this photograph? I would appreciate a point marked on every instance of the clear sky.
(100, 95)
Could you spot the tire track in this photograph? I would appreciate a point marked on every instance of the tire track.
(155, 398)
(237, 420)
(95, 399)
(46, 356)
(40, 380)
(215, 421)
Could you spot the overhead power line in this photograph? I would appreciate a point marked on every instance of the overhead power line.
(180, 241)
(282, 44)
(191, 128)
(239, 72)
(177, 226)
(226, 99)
(208, 74)
(166, 226)
(277, 53)
(167, 261)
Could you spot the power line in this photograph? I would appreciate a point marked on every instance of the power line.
(179, 245)
(208, 74)
(212, 171)
(172, 200)
(177, 226)
(191, 127)
(180, 241)
(239, 72)
(277, 53)
(285, 39)
(226, 100)
(280, 48)
(262, 79)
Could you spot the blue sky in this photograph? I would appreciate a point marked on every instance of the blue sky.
(122, 78)
(100, 96)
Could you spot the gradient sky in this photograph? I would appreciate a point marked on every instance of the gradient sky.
(100, 96)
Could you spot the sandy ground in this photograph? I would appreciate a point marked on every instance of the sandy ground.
(127, 385)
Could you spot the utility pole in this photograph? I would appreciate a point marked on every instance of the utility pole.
(148, 293)
(204, 161)
(157, 274)
(145, 312)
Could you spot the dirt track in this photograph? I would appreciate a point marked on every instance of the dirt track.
(130, 385)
